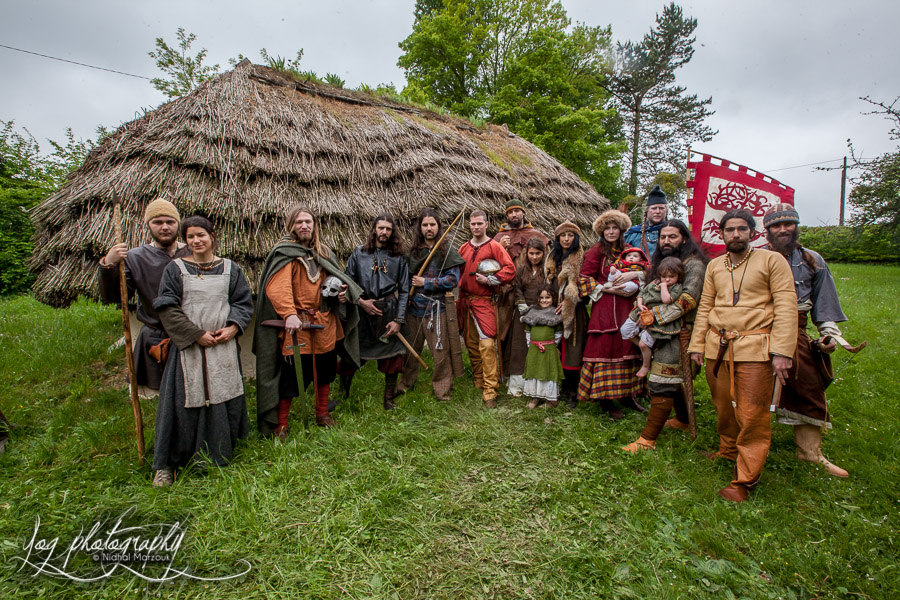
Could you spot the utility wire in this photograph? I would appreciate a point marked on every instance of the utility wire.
(74, 62)
(801, 166)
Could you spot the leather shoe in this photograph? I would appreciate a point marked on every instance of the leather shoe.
(734, 493)
(324, 420)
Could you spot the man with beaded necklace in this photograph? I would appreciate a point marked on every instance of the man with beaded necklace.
(745, 329)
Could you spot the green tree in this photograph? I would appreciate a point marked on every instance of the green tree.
(875, 196)
(184, 73)
(26, 178)
(660, 119)
(518, 62)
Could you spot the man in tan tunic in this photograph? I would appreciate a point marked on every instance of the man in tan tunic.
(745, 329)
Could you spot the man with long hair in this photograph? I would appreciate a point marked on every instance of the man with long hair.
(144, 267)
(380, 268)
(746, 329)
(803, 403)
(290, 289)
(646, 234)
(666, 379)
(427, 316)
(487, 267)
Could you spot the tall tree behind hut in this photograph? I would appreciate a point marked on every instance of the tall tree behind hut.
(518, 63)
(660, 118)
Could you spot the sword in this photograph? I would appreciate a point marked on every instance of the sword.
(687, 375)
(298, 364)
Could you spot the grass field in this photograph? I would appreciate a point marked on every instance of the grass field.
(451, 500)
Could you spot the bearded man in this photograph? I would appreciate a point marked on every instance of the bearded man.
(487, 267)
(513, 237)
(290, 289)
(144, 267)
(666, 379)
(646, 235)
(379, 267)
(803, 404)
(427, 316)
(745, 327)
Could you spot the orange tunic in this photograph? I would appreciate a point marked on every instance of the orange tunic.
(292, 293)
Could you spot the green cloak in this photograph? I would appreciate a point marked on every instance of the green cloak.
(443, 258)
(265, 339)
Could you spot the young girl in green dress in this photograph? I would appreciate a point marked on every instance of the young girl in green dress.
(543, 367)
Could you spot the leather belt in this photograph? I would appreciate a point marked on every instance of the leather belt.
(726, 344)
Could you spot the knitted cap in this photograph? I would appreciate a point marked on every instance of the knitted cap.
(656, 196)
(781, 213)
(515, 203)
(161, 208)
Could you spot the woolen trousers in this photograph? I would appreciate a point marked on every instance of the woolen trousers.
(483, 357)
(744, 424)
(442, 372)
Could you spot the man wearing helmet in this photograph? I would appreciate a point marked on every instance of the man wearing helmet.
(487, 266)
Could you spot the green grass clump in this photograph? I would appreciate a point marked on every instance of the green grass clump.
(449, 500)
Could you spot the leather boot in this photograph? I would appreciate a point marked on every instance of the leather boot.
(346, 382)
(809, 449)
(390, 391)
(640, 444)
(660, 408)
(615, 413)
(734, 492)
(284, 411)
(323, 418)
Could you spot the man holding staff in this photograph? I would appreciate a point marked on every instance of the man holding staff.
(144, 268)
(745, 327)
(427, 316)
(291, 290)
(803, 404)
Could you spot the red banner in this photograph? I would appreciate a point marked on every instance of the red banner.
(718, 185)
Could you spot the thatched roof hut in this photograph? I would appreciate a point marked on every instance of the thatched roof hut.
(245, 146)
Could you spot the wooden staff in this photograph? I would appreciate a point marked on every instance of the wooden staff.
(437, 245)
(129, 352)
(411, 350)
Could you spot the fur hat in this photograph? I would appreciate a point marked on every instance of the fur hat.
(161, 208)
(515, 203)
(781, 213)
(656, 196)
(612, 217)
(567, 227)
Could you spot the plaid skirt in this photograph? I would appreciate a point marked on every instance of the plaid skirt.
(610, 381)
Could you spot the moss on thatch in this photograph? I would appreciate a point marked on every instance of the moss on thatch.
(244, 147)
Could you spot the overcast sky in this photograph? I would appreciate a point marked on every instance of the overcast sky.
(785, 75)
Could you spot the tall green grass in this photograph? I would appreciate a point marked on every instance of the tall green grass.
(449, 500)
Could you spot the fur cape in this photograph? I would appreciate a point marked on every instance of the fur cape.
(541, 316)
(567, 284)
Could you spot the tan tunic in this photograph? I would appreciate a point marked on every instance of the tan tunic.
(767, 301)
(292, 293)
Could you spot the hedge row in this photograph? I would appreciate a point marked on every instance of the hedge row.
(872, 243)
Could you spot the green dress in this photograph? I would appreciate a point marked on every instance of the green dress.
(543, 369)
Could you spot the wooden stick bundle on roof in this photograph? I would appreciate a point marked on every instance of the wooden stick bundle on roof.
(247, 145)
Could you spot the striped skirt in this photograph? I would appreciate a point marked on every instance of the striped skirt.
(610, 381)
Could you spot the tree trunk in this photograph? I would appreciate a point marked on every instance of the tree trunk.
(635, 138)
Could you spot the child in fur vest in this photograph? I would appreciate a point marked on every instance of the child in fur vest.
(543, 367)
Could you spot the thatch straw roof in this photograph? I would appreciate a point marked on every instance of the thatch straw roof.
(244, 147)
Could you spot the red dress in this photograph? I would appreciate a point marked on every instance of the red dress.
(610, 362)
